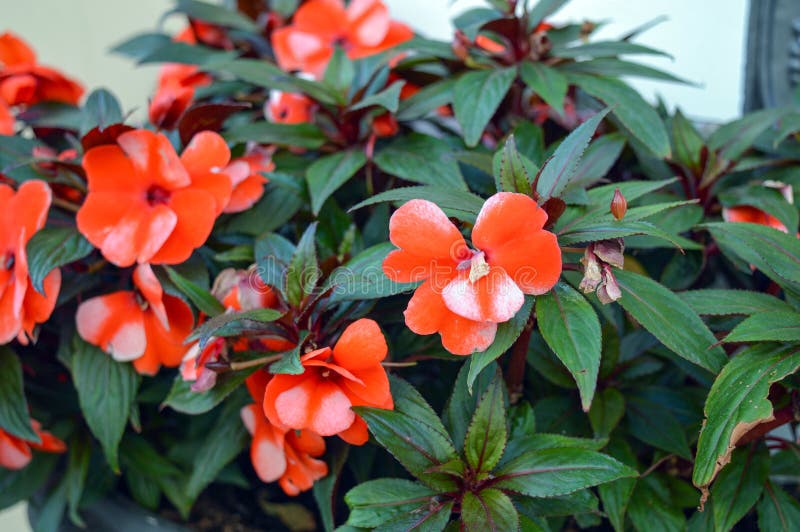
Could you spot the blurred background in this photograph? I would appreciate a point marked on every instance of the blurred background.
(705, 39)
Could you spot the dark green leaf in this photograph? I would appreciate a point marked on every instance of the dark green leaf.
(636, 115)
(215, 14)
(189, 54)
(654, 424)
(670, 320)
(375, 502)
(408, 400)
(476, 97)
(77, 468)
(14, 416)
(292, 135)
(734, 138)
(513, 172)
(273, 253)
(650, 508)
(738, 487)
(278, 206)
(598, 158)
(765, 198)
(718, 302)
(106, 390)
(592, 231)
(303, 272)
(233, 324)
(767, 327)
(20, 484)
(778, 511)
(268, 75)
(542, 10)
(462, 402)
(737, 402)
(325, 488)
(339, 73)
(560, 168)
(182, 398)
(489, 509)
(571, 328)
(607, 409)
(290, 363)
(617, 68)
(507, 334)
(327, 174)
(457, 203)
(100, 111)
(202, 299)
(559, 471)
(686, 141)
(547, 82)
(388, 98)
(51, 248)
(141, 45)
(486, 436)
(426, 100)
(421, 159)
(605, 49)
(363, 278)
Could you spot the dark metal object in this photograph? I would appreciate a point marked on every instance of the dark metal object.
(772, 70)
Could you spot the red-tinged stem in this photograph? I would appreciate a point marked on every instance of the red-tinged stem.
(236, 366)
(515, 372)
(66, 205)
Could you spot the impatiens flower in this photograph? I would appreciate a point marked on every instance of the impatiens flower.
(334, 380)
(246, 179)
(21, 307)
(238, 290)
(467, 292)
(287, 456)
(6, 119)
(385, 125)
(177, 82)
(145, 326)
(753, 215)
(147, 205)
(289, 108)
(15, 453)
(363, 28)
(24, 82)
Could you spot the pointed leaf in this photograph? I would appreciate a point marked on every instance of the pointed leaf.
(476, 97)
(719, 302)
(547, 82)
(202, 299)
(486, 435)
(326, 175)
(767, 327)
(14, 415)
(303, 272)
(52, 247)
(488, 510)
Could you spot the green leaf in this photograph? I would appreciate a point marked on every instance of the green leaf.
(273, 253)
(486, 436)
(650, 508)
(426, 100)
(738, 487)
(463, 401)
(189, 54)
(734, 138)
(142, 45)
(233, 324)
(419, 450)
(507, 334)
(719, 302)
(489, 509)
(362, 277)
(605, 49)
(77, 469)
(571, 328)
(421, 159)
(778, 511)
(215, 14)
(542, 10)
(592, 231)
(100, 111)
(560, 168)
(513, 172)
(540, 441)
(551, 472)
(686, 141)
(14, 416)
(767, 327)
(278, 206)
(618, 68)
(389, 99)
(290, 363)
(327, 174)
(654, 424)
(598, 158)
(737, 402)
(52, 247)
(616, 495)
(547, 82)
(375, 502)
(670, 320)
(409, 401)
(324, 489)
(290, 135)
(636, 115)
(304, 271)
(202, 299)
(607, 410)
(268, 75)
(632, 190)
(773, 252)
(457, 203)
(580, 502)
(339, 73)
(19, 485)
(106, 390)
(476, 97)
(223, 443)
(182, 398)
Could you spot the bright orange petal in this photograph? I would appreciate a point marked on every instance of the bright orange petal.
(461, 336)
(504, 217)
(746, 213)
(357, 433)
(38, 307)
(325, 18)
(421, 228)
(14, 453)
(361, 346)
(6, 119)
(114, 323)
(404, 267)
(109, 169)
(146, 281)
(216, 184)
(246, 194)
(375, 390)
(31, 204)
(153, 155)
(368, 22)
(196, 214)
(207, 150)
(277, 386)
(533, 261)
(14, 51)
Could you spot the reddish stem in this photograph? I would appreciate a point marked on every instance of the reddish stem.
(515, 372)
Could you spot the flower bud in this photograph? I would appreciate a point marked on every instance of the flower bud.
(619, 205)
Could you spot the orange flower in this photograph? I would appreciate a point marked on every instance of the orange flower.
(489, 45)
(753, 215)
(289, 108)
(146, 326)
(246, 179)
(465, 292)
(385, 125)
(238, 290)
(335, 379)
(147, 205)
(24, 82)
(363, 28)
(15, 453)
(281, 454)
(22, 307)
(6, 119)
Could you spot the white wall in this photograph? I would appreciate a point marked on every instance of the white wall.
(706, 39)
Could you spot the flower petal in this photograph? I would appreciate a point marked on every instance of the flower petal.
(494, 297)
(14, 452)
(505, 216)
(373, 392)
(113, 322)
(357, 433)
(195, 209)
(206, 150)
(361, 346)
(421, 228)
(368, 22)
(152, 154)
(325, 18)
(461, 336)
(533, 261)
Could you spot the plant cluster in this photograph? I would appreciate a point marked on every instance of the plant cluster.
(346, 276)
